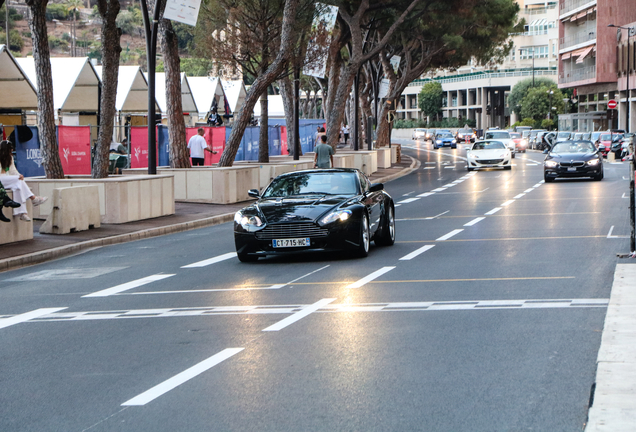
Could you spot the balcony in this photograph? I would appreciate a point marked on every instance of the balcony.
(537, 11)
(582, 36)
(570, 5)
(580, 74)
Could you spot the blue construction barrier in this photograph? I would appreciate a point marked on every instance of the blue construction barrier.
(163, 140)
(274, 140)
(28, 155)
(307, 131)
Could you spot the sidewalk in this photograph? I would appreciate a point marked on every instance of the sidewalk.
(45, 247)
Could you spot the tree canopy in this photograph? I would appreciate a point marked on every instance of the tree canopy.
(430, 99)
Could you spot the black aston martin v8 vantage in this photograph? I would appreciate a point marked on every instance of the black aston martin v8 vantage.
(315, 210)
(573, 159)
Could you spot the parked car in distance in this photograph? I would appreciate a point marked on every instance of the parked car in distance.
(315, 210)
(587, 136)
(533, 143)
(572, 159)
(605, 142)
(563, 136)
(521, 144)
(444, 139)
(577, 136)
(489, 154)
(502, 136)
(466, 135)
(419, 133)
(521, 129)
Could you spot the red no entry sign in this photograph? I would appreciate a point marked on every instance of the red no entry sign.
(612, 104)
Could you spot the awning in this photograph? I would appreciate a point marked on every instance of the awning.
(584, 54)
(566, 56)
(581, 15)
(539, 22)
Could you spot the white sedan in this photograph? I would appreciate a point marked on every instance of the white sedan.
(489, 154)
(504, 137)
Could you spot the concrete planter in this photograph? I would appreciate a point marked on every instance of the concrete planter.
(16, 230)
(394, 154)
(342, 160)
(269, 171)
(121, 199)
(364, 160)
(216, 185)
(384, 157)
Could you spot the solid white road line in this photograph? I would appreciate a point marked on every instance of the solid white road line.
(507, 203)
(474, 221)
(376, 274)
(17, 319)
(179, 379)
(519, 196)
(210, 261)
(449, 235)
(610, 236)
(416, 252)
(128, 285)
(299, 315)
(408, 200)
(436, 216)
(425, 194)
(493, 211)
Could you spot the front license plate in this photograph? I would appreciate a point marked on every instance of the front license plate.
(293, 242)
(571, 169)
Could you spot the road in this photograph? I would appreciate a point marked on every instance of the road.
(486, 315)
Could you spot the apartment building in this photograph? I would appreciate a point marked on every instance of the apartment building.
(593, 61)
(480, 92)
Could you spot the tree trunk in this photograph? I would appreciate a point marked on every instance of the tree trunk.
(262, 83)
(287, 93)
(263, 135)
(46, 110)
(337, 114)
(178, 148)
(111, 49)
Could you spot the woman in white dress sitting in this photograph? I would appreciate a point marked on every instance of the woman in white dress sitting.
(14, 181)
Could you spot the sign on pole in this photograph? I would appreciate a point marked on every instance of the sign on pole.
(183, 11)
(612, 104)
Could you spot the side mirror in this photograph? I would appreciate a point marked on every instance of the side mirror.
(546, 151)
(376, 187)
(481, 137)
(254, 193)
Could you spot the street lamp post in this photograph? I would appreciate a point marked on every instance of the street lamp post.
(550, 93)
(632, 198)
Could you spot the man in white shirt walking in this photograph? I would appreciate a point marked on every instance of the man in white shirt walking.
(198, 147)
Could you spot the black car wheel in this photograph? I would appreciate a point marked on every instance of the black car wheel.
(388, 229)
(508, 168)
(513, 155)
(365, 237)
(469, 169)
(243, 257)
(598, 177)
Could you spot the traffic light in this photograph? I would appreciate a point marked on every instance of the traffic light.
(488, 109)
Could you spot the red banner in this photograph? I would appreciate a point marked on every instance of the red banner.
(215, 137)
(75, 149)
(139, 147)
(283, 140)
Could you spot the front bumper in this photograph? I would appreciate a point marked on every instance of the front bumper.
(584, 171)
(344, 236)
(488, 163)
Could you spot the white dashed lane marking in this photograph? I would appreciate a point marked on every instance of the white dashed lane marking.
(493, 211)
(449, 235)
(416, 252)
(408, 200)
(376, 274)
(299, 315)
(519, 196)
(211, 261)
(17, 319)
(474, 221)
(128, 285)
(507, 203)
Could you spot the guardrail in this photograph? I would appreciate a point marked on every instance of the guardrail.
(581, 74)
(485, 75)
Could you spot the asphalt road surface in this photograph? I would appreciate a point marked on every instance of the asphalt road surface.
(486, 315)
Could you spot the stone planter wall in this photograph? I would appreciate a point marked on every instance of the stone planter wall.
(364, 160)
(16, 230)
(384, 157)
(121, 198)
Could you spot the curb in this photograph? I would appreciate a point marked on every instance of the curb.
(62, 251)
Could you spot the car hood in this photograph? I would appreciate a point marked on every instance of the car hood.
(488, 154)
(445, 139)
(298, 209)
(571, 156)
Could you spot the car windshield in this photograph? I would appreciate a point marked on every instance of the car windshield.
(489, 145)
(525, 133)
(465, 131)
(444, 135)
(316, 183)
(606, 137)
(574, 147)
(515, 135)
(497, 135)
(563, 135)
(595, 135)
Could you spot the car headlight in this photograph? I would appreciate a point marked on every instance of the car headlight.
(593, 162)
(454, 141)
(248, 222)
(438, 141)
(339, 215)
(551, 164)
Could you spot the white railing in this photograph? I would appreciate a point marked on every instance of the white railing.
(524, 73)
(537, 11)
(531, 33)
(579, 74)
(569, 5)
(585, 35)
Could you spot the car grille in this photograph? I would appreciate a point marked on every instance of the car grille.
(489, 161)
(291, 230)
(572, 164)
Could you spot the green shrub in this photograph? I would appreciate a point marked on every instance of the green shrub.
(66, 37)
(15, 40)
(26, 34)
(55, 42)
(56, 11)
(128, 21)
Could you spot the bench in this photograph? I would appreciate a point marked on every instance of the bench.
(74, 209)
(16, 230)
